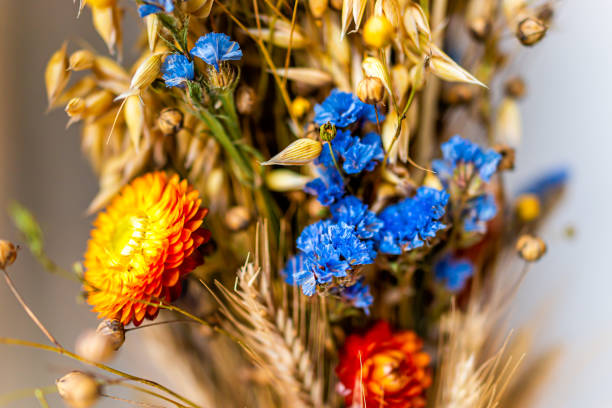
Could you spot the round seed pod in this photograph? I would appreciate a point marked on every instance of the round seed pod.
(530, 248)
(78, 389)
(95, 347)
(114, 331)
(300, 106)
(245, 100)
(528, 207)
(530, 31)
(378, 32)
(370, 90)
(237, 218)
(8, 254)
(516, 88)
(170, 121)
(508, 155)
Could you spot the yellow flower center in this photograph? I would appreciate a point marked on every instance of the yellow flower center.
(387, 372)
(127, 238)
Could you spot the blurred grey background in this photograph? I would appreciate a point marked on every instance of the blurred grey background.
(565, 116)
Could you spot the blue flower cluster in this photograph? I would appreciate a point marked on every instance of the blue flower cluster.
(216, 47)
(479, 210)
(342, 109)
(176, 70)
(548, 182)
(358, 295)
(212, 48)
(407, 224)
(454, 272)
(459, 150)
(155, 6)
(357, 154)
(328, 187)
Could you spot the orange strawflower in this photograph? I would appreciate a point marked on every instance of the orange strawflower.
(142, 245)
(384, 369)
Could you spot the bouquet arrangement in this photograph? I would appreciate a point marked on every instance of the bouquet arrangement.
(306, 197)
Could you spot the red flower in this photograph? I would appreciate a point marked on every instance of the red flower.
(384, 369)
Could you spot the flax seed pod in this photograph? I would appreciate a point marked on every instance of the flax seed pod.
(170, 121)
(370, 90)
(8, 254)
(78, 389)
(530, 248)
(530, 31)
(373, 67)
(94, 347)
(57, 74)
(237, 218)
(114, 331)
(245, 100)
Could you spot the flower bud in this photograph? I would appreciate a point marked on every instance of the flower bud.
(114, 331)
(370, 90)
(8, 253)
(508, 155)
(170, 121)
(530, 31)
(237, 218)
(327, 132)
(528, 207)
(378, 32)
(78, 389)
(300, 106)
(94, 347)
(318, 7)
(245, 100)
(302, 151)
(223, 79)
(80, 60)
(515, 87)
(530, 248)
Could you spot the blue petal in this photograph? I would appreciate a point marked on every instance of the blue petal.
(455, 272)
(147, 9)
(216, 47)
(177, 69)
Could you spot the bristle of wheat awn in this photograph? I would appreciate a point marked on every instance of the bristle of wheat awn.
(95, 347)
(152, 23)
(106, 24)
(378, 32)
(300, 152)
(8, 253)
(81, 60)
(78, 389)
(445, 68)
(170, 121)
(133, 114)
(530, 248)
(370, 90)
(57, 74)
(113, 330)
(283, 180)
(318, 7)
(373, 67)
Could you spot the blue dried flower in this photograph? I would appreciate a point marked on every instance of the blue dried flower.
(342, 109)
(357, 154)
(549, 181)
(479, 210)
(216, 47)
(328, 250)
(328, 187)
(455, 272)
(460, 150)
(408, 223)
(176, 70)
(358, 295)
(155, 6)
(351, 211)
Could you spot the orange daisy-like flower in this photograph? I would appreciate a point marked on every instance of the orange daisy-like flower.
(142, 245)
(384, 369)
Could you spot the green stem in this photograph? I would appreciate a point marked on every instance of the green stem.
(62, 351)
(333, 156)
(40, 396)
(25, 393)
(398, 129)
(229, 106)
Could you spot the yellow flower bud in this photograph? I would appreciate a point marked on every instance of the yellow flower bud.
(300, 106)
(530, 248)
(300, 152)
(81, 59)
(78, 389)
(8, 254)
(378, 32)
(528, 207)
(370, 90)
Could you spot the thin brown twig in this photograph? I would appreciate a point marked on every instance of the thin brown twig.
(288, 55)
(27, 309)
(132, 402)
